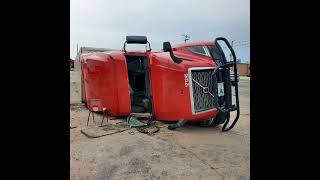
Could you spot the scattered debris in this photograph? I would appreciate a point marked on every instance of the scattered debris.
(150, 130)
(131, 132)
(105, 130)
(134, 122)
(143, 125)
(135, 119)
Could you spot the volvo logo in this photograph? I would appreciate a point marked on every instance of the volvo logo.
(205, 90)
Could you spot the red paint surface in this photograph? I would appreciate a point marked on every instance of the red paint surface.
(105, 77)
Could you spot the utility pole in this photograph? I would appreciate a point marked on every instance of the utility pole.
(186, 37)
(230, 52)
(77, 53)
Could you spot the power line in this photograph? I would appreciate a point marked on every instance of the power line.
(246, 45)
(238, 44)
(246, 41)
(241, 45)
(238, 41)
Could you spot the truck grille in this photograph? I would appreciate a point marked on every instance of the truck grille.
(201, 89)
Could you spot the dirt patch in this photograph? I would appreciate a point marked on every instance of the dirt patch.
(191, 152)
(126, 150)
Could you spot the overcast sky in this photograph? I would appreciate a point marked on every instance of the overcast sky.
(106, 23)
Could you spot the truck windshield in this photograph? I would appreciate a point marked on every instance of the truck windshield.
(215, 53)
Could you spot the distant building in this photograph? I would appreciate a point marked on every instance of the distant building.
(243, 69)
(71, 63)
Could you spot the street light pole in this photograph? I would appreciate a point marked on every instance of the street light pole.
(230, 52)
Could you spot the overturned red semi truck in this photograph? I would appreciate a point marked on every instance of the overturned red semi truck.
(189, 82)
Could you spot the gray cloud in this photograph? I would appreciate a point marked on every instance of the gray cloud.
(103, 23)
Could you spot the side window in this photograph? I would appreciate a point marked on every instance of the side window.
(199, 50)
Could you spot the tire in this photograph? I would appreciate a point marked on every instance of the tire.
(220, 118)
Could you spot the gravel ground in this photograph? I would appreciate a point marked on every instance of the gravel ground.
(191, 152)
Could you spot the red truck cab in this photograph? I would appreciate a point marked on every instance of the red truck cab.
(185, 82)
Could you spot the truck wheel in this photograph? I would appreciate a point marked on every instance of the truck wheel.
(220, 118)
